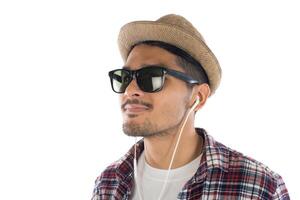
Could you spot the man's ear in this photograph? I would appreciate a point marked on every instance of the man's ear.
(203, 92)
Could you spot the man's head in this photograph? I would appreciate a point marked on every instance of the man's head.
(147, 111)
(147, 114)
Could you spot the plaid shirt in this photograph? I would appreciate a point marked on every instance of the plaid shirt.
(222, 174)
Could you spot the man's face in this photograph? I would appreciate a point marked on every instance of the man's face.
(148, 114)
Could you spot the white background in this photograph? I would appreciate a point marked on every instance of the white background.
(60, 124)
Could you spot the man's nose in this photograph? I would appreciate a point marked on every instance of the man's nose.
(133, 89)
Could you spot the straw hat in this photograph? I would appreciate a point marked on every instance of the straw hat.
(175, 30)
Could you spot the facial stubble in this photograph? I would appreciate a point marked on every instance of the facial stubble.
(148, 128)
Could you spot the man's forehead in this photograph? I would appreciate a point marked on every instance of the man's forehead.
(145, 55)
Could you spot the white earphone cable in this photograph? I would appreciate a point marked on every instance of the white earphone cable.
(174, 152)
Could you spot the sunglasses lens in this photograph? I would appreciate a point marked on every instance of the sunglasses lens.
(120, 79)
(150, 79)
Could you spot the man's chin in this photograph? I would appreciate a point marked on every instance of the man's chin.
(134, 134)
(144, 135)
(136, 129)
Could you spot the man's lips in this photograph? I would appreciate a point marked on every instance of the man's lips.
(135, 108)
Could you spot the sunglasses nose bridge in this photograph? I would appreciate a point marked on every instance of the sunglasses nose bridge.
(133, 88)
(134, 74)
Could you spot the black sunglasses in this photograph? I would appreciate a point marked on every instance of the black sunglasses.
(149, 79)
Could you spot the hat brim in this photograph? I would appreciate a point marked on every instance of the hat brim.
(135, 32)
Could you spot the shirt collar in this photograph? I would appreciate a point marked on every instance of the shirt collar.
(215, 155)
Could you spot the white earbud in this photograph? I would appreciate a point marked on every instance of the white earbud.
(195, 103)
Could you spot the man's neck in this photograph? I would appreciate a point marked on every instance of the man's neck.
(159, 149)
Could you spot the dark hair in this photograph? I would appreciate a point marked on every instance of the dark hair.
(191, 66)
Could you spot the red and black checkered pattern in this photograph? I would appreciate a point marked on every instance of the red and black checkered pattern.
(223, 174)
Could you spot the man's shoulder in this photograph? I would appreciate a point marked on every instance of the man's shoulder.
(108, 175)
(238, 162)
(110, 170)
(244, 171)
(116, 170)
(108, 182)
(115, 179)
(221, 156)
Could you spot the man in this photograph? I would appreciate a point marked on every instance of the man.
(168, 75)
